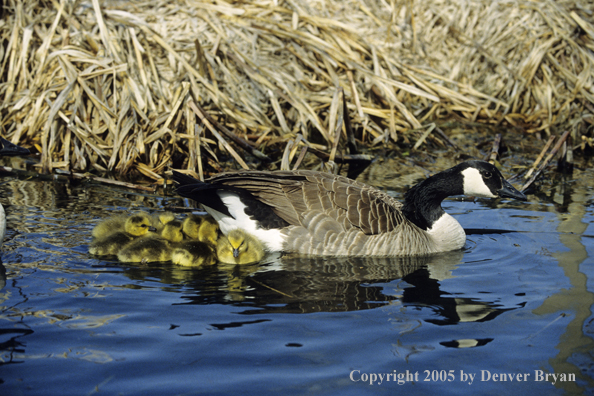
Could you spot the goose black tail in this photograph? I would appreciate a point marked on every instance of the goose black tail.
(207, 195)
(201, 192)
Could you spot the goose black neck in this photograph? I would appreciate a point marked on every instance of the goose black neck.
(422, 203)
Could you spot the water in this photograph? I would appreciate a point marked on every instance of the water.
(516, 300)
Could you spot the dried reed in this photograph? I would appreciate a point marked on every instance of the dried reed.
(118, 85)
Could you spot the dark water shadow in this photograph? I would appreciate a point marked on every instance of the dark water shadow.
(298, 285)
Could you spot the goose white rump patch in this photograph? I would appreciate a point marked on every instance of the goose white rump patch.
(272, 239)
(475, 185)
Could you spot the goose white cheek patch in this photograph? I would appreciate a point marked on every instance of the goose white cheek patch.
(474, 184)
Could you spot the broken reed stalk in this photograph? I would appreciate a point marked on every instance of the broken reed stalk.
(298, 140)
(565, 162)
(540, 156)
(495, 149)
(339, 115)
(285, 162)
(350, 134)
(424, 136)
(300, 158)
(547, 160)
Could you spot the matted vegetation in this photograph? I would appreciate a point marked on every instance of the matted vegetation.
(125, 86)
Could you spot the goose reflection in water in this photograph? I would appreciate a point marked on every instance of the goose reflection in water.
(297, 284)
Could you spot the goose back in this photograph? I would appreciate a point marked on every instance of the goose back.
(291, 194)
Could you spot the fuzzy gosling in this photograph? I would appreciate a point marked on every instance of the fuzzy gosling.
(110, 243)
(239, 247)
(193, 253)
(153, 248)
(114, 224)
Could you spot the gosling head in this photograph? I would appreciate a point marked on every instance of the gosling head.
(237, 242)
(239, 247)
(138, 225)
(482, 179)
(165, 217)
(173, 231)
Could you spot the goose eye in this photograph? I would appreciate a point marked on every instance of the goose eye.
(487, 175)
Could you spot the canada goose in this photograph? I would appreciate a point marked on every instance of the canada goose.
(117, 223)
(191, 226)
(153, 247)
(172, 231)
(239, 247)
(109, 226)
(8, 149)
(193, 253)
(202, 228)
(323, 214)
(107, 244)
(160, 219)
(209, 231)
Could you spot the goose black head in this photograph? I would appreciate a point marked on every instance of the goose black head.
(8, 149)
(482, 179)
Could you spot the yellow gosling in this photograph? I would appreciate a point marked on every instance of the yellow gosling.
(166, 217)
(154, 247)
(146, 250)
(114, 224)
(203, 228)
(191, 226)
(239, 247)
(193, 254)
(209, 231)
(173, 231)
(160, 219)
(134, 226)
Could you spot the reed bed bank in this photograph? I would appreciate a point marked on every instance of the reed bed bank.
(135, 87)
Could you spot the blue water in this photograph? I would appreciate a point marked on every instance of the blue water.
(517, 300)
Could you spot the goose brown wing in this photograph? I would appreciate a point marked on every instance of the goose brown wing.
(291, 194)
